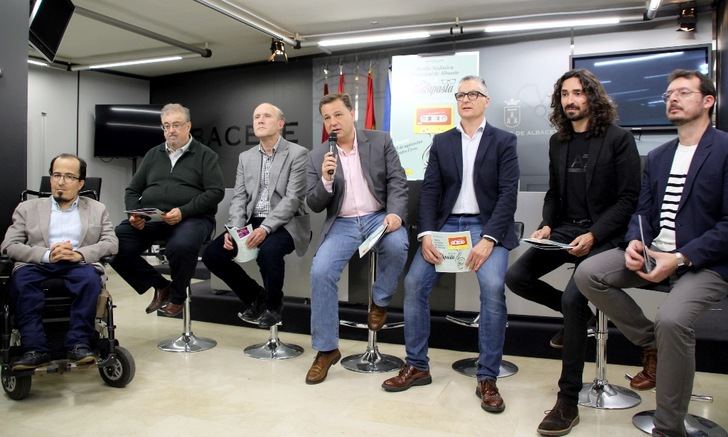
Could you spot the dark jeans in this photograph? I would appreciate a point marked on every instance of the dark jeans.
(270, 261)
(523, 278)
(26, 293)
(182, 246)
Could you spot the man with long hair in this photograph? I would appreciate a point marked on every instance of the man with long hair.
(593, 187)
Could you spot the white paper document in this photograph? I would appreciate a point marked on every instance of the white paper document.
(148, 214)
(544, 244)
(455, 248)
(372, 241)
(240, 237)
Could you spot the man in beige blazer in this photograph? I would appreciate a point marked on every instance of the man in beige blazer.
(270, 186)
(63, 236)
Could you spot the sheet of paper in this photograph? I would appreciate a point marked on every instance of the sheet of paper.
(149, 214)
(544, 244)
(240, 236)
(455, 248)
(372, 241)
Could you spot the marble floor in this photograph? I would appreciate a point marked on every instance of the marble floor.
(221, 392)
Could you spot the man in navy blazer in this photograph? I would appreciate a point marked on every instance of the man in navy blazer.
(684, 209)
(470, 184)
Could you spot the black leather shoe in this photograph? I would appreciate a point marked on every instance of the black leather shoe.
(557, 341)
(31, 360)
(253, 312)
(269, 318)
(559, 420)
(81, 354)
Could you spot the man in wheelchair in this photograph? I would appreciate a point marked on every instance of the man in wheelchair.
(64, 237)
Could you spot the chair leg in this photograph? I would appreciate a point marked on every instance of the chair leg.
(273, 349)
(600, 394)
(188, 341)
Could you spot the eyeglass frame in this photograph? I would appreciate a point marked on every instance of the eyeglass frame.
(65, 177)
(681, 93)
(477, 95)
(174, 126)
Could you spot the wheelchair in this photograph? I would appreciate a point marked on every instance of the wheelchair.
(115, 363)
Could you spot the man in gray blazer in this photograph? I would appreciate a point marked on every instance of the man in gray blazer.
(366, 189)
(63, 236)
(269, 189)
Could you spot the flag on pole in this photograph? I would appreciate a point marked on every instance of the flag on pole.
(387, 102)
(324, 134)
(370, 121)
(341, 79)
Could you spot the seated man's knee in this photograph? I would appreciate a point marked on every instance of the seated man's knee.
(321, 271)
(584, 276)
(668, 321)
(179, 247)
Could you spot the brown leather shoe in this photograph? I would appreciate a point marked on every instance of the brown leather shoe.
(490, 400)
(407, 377)
(647, 378)
(320, 366)
(171, 309)
(376, 317)
(161, 297)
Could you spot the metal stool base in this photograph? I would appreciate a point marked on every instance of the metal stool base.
(371, 361)
(605, 396)
(695, 426)
(187, 343)
(469, 367)
(273, 350)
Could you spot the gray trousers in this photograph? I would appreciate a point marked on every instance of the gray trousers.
(601, 279)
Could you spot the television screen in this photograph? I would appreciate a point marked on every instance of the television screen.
(635, 81)
(127, 130)
(48, 22)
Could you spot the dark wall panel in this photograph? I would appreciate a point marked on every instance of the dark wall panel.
(14, 107)
(222, 104)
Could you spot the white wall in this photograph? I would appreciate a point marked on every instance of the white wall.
(61, 120)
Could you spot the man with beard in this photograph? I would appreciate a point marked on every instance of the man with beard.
(684, 209)
(61, 237)
(593, 187)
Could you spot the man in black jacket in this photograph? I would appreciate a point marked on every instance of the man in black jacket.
(594, 183)
(181, 177)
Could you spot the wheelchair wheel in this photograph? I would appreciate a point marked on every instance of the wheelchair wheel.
(120, 370)
(17, 387)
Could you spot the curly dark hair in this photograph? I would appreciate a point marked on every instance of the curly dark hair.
(602, 111)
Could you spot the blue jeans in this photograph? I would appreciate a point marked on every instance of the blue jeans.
(342, 240)
(493, 315)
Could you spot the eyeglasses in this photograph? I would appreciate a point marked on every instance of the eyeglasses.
(175, 126)
(65, 176)
(472, 95)
(681, 93)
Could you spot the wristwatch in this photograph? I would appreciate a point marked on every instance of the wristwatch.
(681, 260)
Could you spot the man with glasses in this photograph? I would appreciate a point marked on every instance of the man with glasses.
(362, 186)
(182, 178)
(593, 187)
(683, 207)
(470, 184)
(64, 237)
(269, 189)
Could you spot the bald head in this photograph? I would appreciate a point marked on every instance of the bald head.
(268, 122)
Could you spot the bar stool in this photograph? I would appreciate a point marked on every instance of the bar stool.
(371, 361)
(469, 366)
(274, 348)
(600, 394)
(188, 341)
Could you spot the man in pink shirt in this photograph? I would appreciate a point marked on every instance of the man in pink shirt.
(361, 187)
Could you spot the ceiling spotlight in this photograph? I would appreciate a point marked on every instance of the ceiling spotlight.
(688, 17)
(277, 51)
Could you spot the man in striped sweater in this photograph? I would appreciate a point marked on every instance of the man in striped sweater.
(683, 217)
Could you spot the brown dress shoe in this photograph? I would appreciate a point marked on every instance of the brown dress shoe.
(647, 378)
(407, 377)
(376, 317)
(172, 309)
(161, 297)
(490, 400)
(559, 420)
(321, 364)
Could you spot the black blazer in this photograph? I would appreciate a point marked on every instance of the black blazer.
(495, 177)
(612, 183)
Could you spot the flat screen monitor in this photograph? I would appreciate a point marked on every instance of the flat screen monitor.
(127, 130)
(635, 81)
(48, 22)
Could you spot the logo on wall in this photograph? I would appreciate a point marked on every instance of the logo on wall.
(512, 113)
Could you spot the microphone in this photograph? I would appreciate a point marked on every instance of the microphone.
(332, 147)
